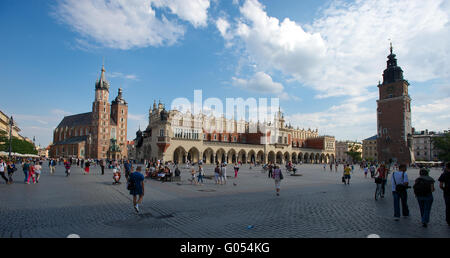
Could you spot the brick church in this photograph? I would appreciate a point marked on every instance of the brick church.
(394, 138)
(100, 134)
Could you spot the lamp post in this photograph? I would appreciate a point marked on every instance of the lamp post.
(11, 123)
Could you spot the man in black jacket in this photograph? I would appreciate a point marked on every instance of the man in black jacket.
(444, 181)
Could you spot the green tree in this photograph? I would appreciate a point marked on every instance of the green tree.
(18, 145)
(354, 152)
(443, 145)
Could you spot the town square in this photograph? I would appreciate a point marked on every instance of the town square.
(315, 204)
(236, 119)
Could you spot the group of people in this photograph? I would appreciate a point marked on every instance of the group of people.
(423, 190)
(423, 187)
(32, 170)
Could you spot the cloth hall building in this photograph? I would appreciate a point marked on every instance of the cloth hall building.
(99, 134)
(172, 136)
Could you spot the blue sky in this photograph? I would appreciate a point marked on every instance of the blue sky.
(323, 59)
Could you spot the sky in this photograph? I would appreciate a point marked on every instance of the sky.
(322, 58)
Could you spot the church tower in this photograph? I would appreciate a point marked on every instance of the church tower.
(101, 111)
(394, 116)
(119, 115)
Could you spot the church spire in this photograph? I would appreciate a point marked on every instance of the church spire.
(393, 72)
(102, 83)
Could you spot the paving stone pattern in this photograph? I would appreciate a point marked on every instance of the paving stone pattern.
(315, 204)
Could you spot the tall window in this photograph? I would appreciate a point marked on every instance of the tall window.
(161, 132)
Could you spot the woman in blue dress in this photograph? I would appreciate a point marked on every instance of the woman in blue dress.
(136, 187)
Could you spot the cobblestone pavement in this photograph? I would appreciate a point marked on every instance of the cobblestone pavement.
(315, 204)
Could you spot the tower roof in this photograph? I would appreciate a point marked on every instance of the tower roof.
(119, 99)
(102, 83)
(393, 72)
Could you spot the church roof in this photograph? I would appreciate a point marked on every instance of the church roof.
(76, 120)
(72, 140)
(102, 83)
(371, 138)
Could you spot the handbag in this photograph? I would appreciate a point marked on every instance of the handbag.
(281, 175)
(343, 179)
(400, 187)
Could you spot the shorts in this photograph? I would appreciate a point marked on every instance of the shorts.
(347, 177)
(277, 184)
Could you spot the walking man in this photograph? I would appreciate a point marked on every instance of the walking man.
(444, 184)
(52, 166)
(136, 187)
(400, 183)
(26, 168)
(423, 189)
(102, 166)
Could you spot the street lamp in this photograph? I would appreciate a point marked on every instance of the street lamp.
(11, 123)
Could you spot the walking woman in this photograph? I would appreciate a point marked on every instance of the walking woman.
(37, 171)
(277, 176)
(423, 189)
(67, 167)
(136, 187)
(86, 167)
(200, 174)
(193, 181)
(236, 170)
(31, 174)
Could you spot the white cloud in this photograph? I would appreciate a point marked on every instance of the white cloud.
(126, 24)
(344, 51)
(262, 83)
(194, 11)
(432, 116)
(223, 26)
(283, 46)
(340, 120)
(124, 76)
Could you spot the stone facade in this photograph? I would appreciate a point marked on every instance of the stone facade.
(4, 126)
(179, 137)
(369, 149)
(344, 146)
(394, 138)
(424, 149)
(100, 134)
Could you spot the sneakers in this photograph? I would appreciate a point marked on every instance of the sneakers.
(424, 225)
(136, 207)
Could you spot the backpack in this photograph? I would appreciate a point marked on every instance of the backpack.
(422, 187)
(131, 184)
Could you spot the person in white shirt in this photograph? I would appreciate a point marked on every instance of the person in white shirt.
(2, 171)
(224, 174)
(399, 182)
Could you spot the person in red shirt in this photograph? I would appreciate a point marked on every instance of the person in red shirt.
(381, 174)
(31, 174)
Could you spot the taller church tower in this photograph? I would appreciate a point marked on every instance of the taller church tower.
(101, 110)
(394, 116)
